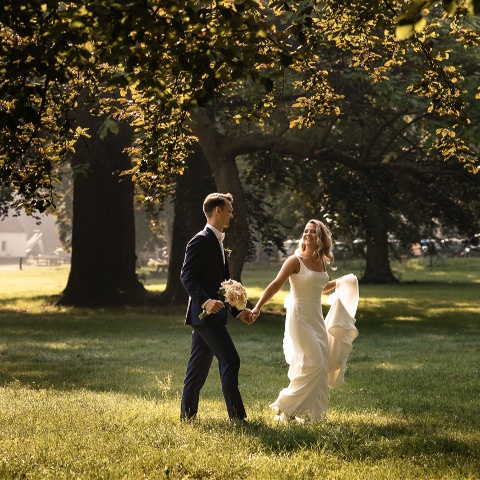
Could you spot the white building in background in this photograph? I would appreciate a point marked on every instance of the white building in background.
(13, 239)
(24, 237)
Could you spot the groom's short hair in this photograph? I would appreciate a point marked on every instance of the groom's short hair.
(215, 200)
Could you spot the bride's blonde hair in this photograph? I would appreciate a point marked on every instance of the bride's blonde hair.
(324, 243)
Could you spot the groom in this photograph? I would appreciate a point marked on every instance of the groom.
(204, 269)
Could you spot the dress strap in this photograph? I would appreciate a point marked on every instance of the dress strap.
(302, 265)
(297, 257)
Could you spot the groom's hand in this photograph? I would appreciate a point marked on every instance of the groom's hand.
(213, 306)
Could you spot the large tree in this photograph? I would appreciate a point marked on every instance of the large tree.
(168, 58)
(151, 63)
(131, 69)
(191, 189)
(103, 266)
(371, 172)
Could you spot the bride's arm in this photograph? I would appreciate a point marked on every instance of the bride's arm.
(289, 267)
(329, 286)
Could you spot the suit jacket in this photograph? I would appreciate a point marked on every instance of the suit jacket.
(202, 273)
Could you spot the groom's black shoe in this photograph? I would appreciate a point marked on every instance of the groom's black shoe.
(239, 421)
(187, 418)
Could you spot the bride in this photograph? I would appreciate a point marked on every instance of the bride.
(306, 341)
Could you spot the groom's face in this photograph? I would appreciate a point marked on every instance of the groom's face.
(225, 214)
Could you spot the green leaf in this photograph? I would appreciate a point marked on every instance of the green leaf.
(405, 31)
(450, 6)
(109, 125)
(285, 59)
(407, 25)
(267, 83)
(473, 7)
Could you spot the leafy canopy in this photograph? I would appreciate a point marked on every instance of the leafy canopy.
(151, 62)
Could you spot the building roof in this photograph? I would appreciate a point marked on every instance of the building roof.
(11, 225)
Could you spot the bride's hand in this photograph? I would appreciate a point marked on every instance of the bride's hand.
(255, 313)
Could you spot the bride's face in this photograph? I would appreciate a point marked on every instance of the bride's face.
(310, 235)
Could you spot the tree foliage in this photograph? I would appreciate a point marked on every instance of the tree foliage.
(415, 16)
(158, 60)
(377, 169)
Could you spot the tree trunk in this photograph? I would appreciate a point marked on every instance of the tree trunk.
(103, 269)
(227, 179)
(192, 188)
(377, 269)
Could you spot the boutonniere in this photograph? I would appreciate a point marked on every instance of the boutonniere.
(228, 252)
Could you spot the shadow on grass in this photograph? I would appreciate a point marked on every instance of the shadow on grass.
(417, 321)
(121, 349)
(44, 300)
(124, 350)
(352, 441)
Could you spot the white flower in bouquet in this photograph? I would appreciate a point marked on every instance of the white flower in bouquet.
(233, 293)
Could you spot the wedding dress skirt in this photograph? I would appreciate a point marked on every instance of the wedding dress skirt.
(341, 330)
(307, 343)
(305, 346)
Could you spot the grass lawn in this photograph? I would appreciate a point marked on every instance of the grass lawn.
(90, 394)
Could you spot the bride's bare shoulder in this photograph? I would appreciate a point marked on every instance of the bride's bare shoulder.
(292, 263)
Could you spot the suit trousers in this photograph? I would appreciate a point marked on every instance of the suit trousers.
(208, 342)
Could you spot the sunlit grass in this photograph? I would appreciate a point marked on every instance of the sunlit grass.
(96, 393)
(439, 268)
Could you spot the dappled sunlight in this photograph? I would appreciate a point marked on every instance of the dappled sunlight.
(393, 418)
(408, 319)
(438, 269)
(403, 367)
(114, 425)
(447, 276)
(107, 383)
(419, 303)
(60, 346)
(455, 309)
(53, 354)
(33, 280)
(382, 302)
(254, 294)
(387, 366)
(156, 287)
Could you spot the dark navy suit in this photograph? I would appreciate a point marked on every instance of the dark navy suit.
(202, 273)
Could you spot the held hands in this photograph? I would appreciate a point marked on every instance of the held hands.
(214, 306)
(255, 313)
(246, 316)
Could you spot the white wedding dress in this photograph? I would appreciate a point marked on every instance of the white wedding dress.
(316, 350)
(305, 346)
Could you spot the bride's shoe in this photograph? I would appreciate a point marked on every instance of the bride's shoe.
(283, 417)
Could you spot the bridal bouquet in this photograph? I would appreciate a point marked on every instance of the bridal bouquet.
(233, 293)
